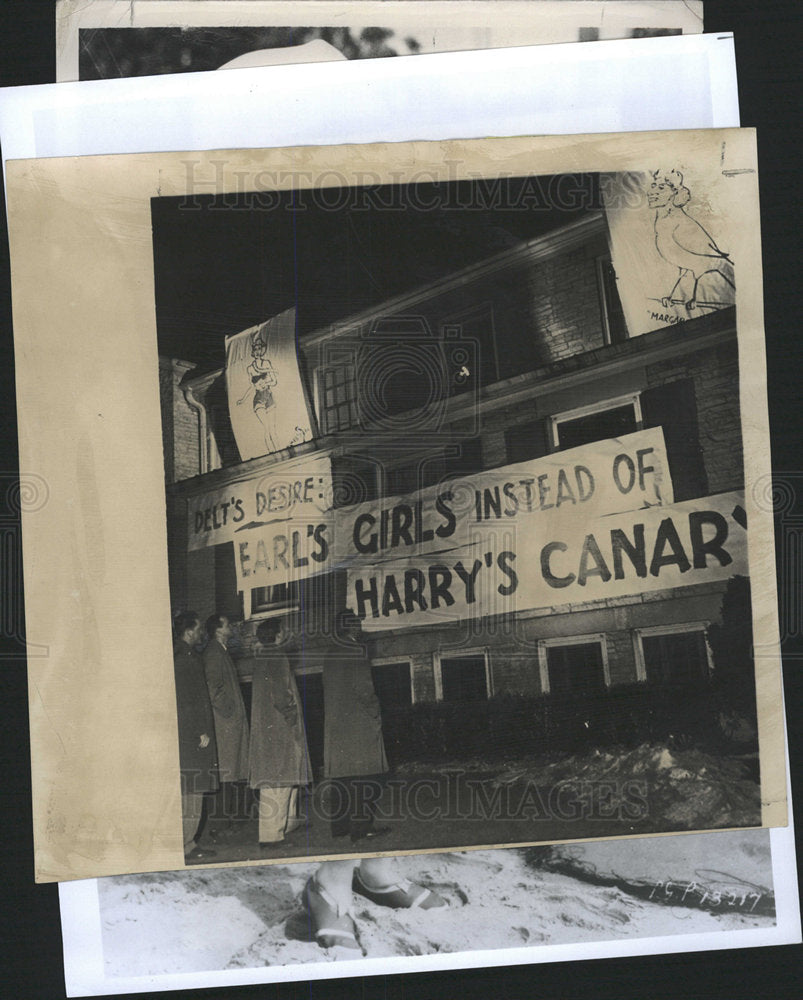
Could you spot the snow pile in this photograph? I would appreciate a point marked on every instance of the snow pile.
(684, 789)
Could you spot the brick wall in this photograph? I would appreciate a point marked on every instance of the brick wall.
(564, 302)
(423, 677)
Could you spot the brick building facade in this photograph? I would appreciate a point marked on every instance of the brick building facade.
(540, 331)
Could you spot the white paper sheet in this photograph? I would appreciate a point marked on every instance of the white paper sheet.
(599, 87)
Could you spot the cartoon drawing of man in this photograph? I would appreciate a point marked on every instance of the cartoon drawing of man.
(705, 273)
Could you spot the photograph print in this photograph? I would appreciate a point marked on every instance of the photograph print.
(457, 530)
(102, 40)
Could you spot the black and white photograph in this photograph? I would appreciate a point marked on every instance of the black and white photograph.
(454, 521)
(490, 585)
(177, 930)
(105, 39)
(391, 532)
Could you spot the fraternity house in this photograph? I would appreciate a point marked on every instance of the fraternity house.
(522, 477)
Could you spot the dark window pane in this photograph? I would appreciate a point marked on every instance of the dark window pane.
(392, 684)
(576, 669)
(679, 658)
(673, 407)
(338, 399)
(463, 678)
(596, 427)
(263, 598)
(611, 303)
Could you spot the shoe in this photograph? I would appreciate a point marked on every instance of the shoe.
(369, 834)
(199, 854)
(330, 926)
(265, 844)
(402, 895)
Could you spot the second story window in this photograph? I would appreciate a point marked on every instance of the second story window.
(611, 312)
(597, 422)
(337, 386)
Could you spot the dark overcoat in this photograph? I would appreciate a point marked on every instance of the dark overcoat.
(231, 721)
(198, 764)
(278, 755)
(352, 732)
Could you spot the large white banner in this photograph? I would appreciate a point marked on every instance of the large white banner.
(283, 528)
(280, 523)
(670, 243)
(267, 402)
(562, 561)
(613, 475)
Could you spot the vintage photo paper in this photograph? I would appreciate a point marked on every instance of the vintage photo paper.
(563, 89)
(535, 675)
(116, 38)
(689, 893)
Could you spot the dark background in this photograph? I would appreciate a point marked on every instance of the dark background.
(768, 59)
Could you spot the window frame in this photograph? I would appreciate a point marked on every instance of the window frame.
(439, 657)
(544, 645)
(269, 611)
(632, 398)
(677, 628)
(600, 261)
(385, 661)
(347, 365)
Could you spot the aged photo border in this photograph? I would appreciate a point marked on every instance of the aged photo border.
(97, 854)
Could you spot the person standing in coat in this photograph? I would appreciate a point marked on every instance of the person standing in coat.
(354, 758)
(231, 721)
(278, 758)
(196, 732)
(354, 761)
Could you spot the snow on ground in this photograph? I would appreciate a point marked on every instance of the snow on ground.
(249, 917)
(686, 789)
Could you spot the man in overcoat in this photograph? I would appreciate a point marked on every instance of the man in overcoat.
(231, 720)
(278, 759)
(354, 762)
(354, 758)
(196, 731)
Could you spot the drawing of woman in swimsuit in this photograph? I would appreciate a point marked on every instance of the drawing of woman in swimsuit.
(263, 379)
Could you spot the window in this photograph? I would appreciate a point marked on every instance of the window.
(337, 394)
(392, 683)
(613, 317)
(597, 422)
(281, 595)
(463, 678)
(673, 407)
(673, 655)
(574, 666)
(296, 595)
